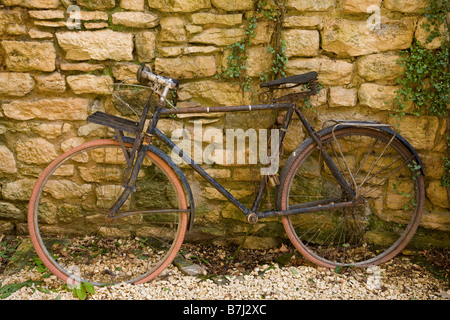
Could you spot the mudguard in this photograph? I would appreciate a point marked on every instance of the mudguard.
(328, 130)
(180, 174)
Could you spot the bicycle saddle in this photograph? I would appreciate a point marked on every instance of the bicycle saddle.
(298, 79)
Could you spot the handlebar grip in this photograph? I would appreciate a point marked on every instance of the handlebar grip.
(144, 73)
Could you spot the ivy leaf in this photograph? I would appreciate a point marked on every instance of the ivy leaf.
(89, 287)
(80, 292)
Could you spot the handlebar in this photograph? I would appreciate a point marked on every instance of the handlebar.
(144, 73)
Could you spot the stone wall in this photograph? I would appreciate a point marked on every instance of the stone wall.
(54, 75)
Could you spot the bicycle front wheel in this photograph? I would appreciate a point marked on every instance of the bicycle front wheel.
(70, 230)
(390, 191)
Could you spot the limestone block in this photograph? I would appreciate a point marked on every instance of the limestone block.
(379, 67)
(88, 83)
(216, 92)
(193, 29)
(172, 30)
(246, 174)
(342, 97)
(49, 130)
(179, 5)
(219, 173)
(29, 55)
(37, 34)
(420, 131)
(8, 210)
(259, 61)
(422, 34)
(302, 43)
(54, 82)
(319, 99)
(434, 164)
(70, 143)
(332, 72)
(170, 51)
(123, 71)
(199, 49)
(310, 5)
(377, 96)
(18, 190)
(302, 21)
(12, 23)
(145, 45)
(436, 219)
(95, 25)
(223, 19)
(97, 4)
(187, 67)
(135, 19)
(219, 37)
(437, 194)
(6, 227)
(50, 109)
(39, 4)
(85, 67)
(46, 14)
(228, 5)
(263, 33)
(7, 161)
(66, 189)
(354, 38)
(358, 6)
(86, 45)
(212, 193)
(35, 151)
(248, 121)
(15, 84)
(407, 6)
(294, 137)
(92, 15)
(135, 5)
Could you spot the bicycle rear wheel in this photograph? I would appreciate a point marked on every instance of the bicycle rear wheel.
(74, 238)
(388, 183)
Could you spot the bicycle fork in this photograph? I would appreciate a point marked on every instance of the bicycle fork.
(133, 169)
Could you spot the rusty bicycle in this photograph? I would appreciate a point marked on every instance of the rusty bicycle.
(117, 210)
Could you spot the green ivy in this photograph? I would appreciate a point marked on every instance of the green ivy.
(236, 61)
(426, 82)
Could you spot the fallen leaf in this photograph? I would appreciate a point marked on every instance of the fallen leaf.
(283, 248)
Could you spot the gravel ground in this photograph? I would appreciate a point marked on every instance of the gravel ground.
(263, 279)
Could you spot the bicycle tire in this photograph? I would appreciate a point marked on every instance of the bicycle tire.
(372, 233)
(53, 210)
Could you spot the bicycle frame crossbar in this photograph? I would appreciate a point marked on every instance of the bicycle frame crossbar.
(271, 106)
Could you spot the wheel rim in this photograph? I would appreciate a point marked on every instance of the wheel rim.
(390, 210)
(134, 248)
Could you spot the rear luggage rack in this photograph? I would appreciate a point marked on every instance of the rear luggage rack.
(114, 122)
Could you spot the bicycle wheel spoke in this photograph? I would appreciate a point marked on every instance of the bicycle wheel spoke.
(376, 227)
(74, 204)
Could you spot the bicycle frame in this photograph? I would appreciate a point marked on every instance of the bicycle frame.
(253, 214)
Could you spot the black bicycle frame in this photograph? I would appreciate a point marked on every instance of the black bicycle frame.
(252, 214)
